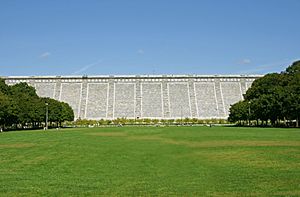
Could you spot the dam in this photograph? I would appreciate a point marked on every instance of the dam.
(143, 96)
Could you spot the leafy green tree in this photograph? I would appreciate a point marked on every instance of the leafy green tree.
(22, 88)
(54, 110)
(292, 98)
(67, 113)
(5, 103)
(20, 105)
(4, 88)
(263, 85)
(294, 68)
(29, 103)
(274, 97)
(239, 112)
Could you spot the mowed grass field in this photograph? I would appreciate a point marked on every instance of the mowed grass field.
(151, 161)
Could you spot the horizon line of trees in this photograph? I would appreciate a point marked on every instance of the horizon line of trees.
(272, 99)
(21, 107)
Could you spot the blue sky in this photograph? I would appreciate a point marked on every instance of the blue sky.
(94, 37)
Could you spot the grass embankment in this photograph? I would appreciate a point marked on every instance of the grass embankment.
(217, 161)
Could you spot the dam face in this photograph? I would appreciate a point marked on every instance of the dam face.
(143, 96)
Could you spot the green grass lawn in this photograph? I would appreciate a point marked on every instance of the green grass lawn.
(151, 161)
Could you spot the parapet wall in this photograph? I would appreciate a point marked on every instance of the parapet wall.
(143, 96)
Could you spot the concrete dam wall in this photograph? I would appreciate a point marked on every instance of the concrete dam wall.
(143, 96)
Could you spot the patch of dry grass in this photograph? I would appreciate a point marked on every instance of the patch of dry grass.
(36, 160)
(17, 145)
(249, 158)
(146, 137)
(109, 134)
(216, 143)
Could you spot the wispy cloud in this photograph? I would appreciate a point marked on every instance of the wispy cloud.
(245, 61)
(141, 51)
(86, 67)
(269, 67)
(256, 70)
(45, 55)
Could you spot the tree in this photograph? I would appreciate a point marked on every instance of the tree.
(4, 109)
(263, 85)
(22, 88)
(294, 68)
(292, 99)
(20, 105)
(4, 88)
(274, 97)
(67, 113)
(239, 112)
(29, 103)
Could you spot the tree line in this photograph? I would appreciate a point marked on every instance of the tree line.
(145, 121)
(273, 99)
(21, 107)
